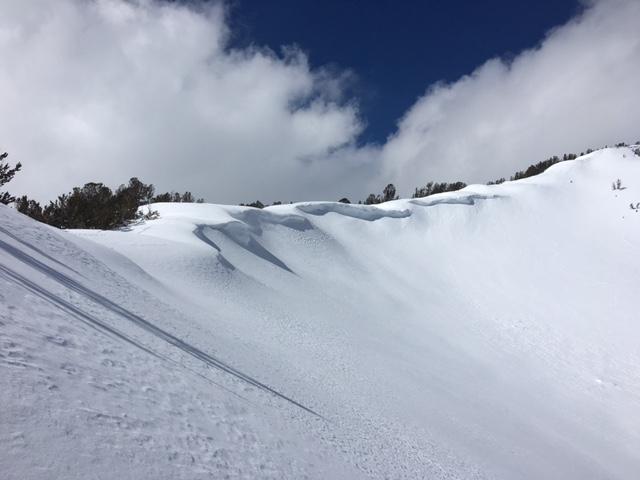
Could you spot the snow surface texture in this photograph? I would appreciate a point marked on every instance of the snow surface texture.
(491, 332)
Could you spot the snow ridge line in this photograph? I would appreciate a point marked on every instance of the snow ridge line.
(140, 322)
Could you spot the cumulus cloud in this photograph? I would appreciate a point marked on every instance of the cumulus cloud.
(578, 88)
(108, 89)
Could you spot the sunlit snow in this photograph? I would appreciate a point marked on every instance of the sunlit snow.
(491, 332)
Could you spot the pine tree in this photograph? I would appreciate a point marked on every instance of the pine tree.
(6, 175)
(31, 208)
(372, 199)
(389, 193)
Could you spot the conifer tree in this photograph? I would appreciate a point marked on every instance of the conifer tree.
(389, 193)
(6, 175)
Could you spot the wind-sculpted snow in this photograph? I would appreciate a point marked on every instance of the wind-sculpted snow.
(242, 235)
(469, 199)
(79, 366)
(361, 212)
(490, 332)
(201, 233)
(255, 218)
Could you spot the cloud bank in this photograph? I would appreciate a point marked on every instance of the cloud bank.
(108, 89)
(578, 88)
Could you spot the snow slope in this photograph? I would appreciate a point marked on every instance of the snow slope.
(491, 332)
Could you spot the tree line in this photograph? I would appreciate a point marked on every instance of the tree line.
(433, 188)
(95, 205)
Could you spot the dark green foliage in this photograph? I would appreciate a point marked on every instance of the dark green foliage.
(452, 187)
(259, 204)
(6, 175)
(344, 200)
(539, 167)
(30, 208)
(432, 188)
(92, 206)
(138, 192)
(372, 199)
(256, 204)
(175, 197)
(163, 197)
(133, 195)
(389, 193)
(497, 182)
(536, 169)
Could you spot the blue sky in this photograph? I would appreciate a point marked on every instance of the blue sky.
(396, 49)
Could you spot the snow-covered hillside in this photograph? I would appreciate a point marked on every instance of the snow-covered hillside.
(492, 332)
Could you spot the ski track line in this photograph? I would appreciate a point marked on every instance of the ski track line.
(138, 321)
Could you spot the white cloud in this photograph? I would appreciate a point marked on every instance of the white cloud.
(578, 88)
(108, 89)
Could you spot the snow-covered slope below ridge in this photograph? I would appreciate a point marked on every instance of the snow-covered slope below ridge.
(487, 333)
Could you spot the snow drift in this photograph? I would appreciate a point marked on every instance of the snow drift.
(486, 333)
